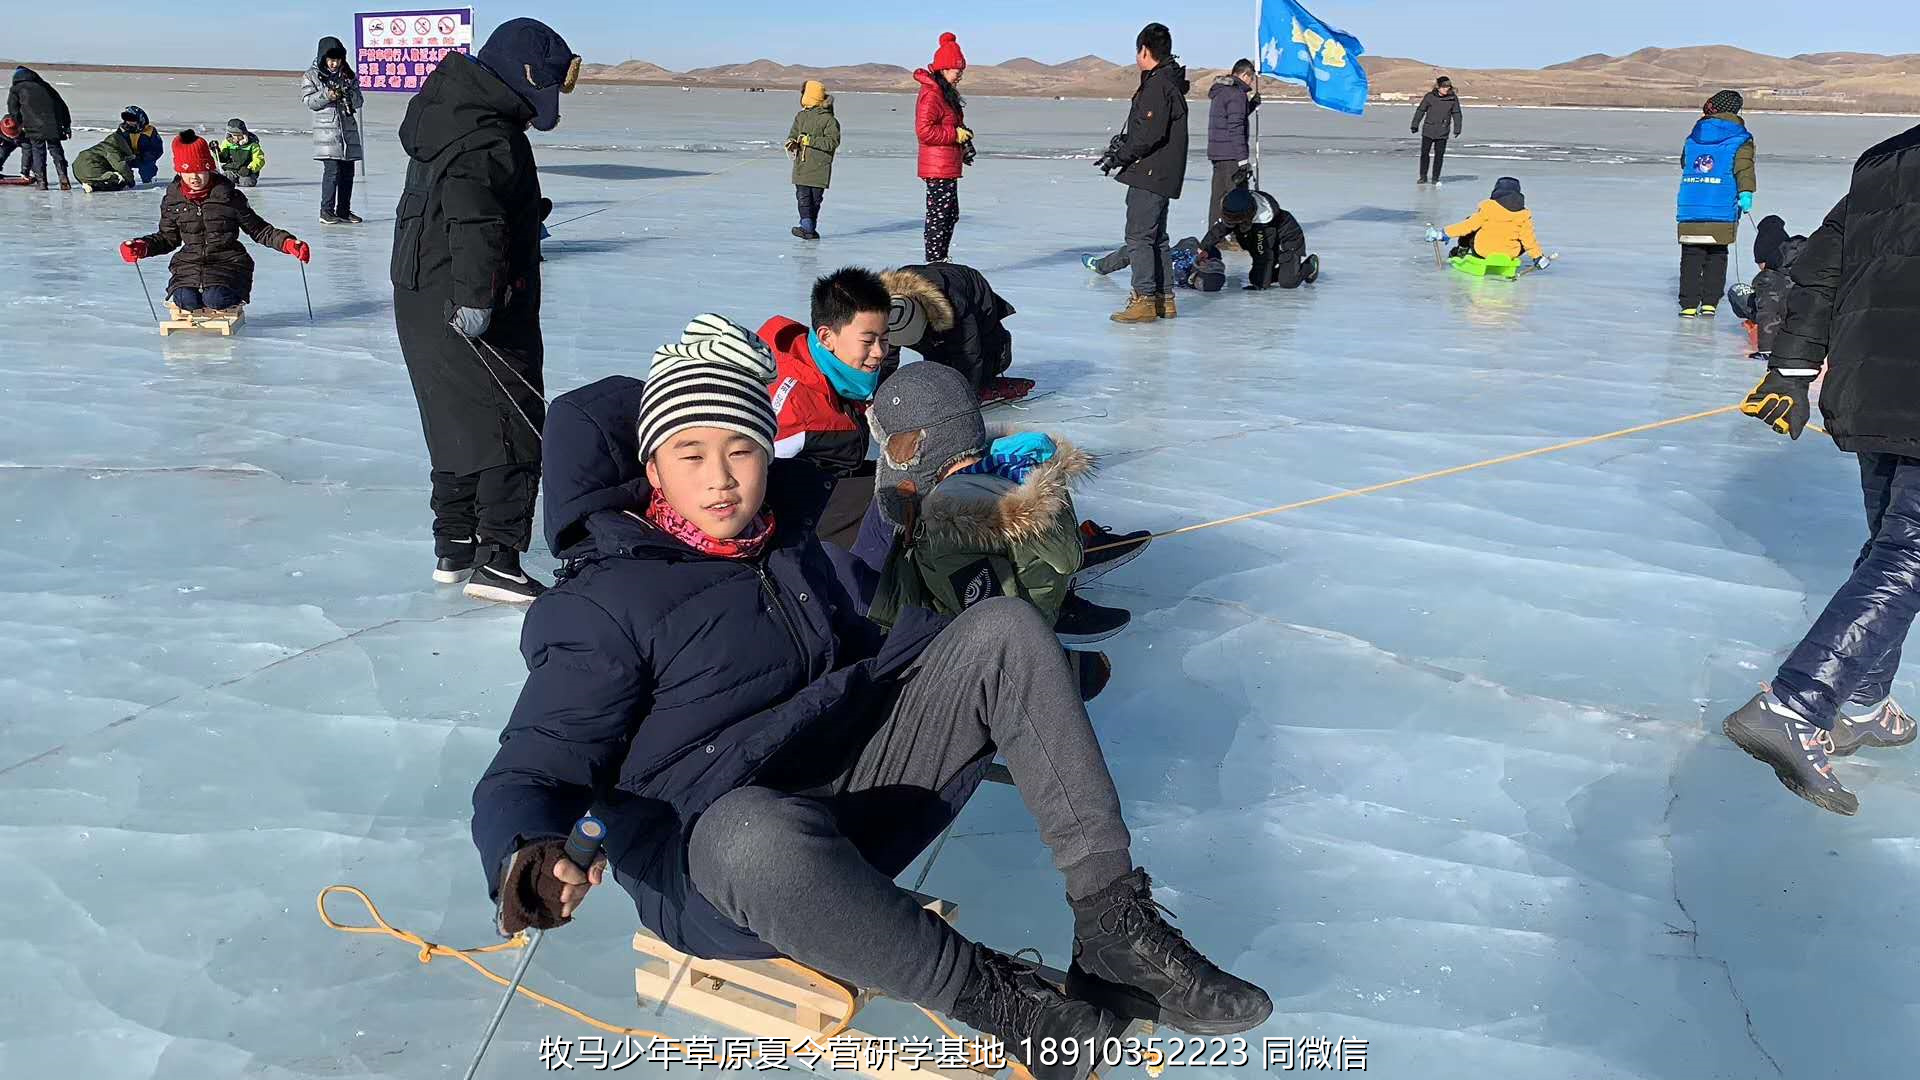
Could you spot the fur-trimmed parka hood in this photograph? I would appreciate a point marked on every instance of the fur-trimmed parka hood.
(984, 511)
(938, 308)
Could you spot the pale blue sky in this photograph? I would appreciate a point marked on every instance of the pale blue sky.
(1456, 33)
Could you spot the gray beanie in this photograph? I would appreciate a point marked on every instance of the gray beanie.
(926, 418)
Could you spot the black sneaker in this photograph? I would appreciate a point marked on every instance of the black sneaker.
(1310, 269)
(1797, 750)
(1129, 959)
(1114, 550)
(328, 217)
(1883, 728)
(456, 560)
(348, 217)
(498, 577)
(1082, 622)
(1092, 670)
(1009, 1001)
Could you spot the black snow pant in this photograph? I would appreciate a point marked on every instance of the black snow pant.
(809, 199)
(1147, 249)
(481, 409)
(7, 147)
(943, 213)
(1703, 274)
(336, 187)
(1223, 174)
(41, 152)
(1436, 149)
(807, 862)
(1852, 653)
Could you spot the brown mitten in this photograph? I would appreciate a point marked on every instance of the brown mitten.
(529, 893)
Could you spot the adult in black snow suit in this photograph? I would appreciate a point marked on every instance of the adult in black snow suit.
(466, 295)
(1270, 234)
(960, 321)
(42, 116)
(1438, 112)
(1851, 308)
(1152, 158)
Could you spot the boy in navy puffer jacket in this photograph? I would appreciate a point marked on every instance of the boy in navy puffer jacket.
(765, 762)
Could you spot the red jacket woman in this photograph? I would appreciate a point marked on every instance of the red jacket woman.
(937, 125)
(941, 129)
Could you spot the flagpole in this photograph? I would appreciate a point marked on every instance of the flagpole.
(1257, 5)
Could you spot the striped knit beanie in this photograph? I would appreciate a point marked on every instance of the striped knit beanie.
(716, 375)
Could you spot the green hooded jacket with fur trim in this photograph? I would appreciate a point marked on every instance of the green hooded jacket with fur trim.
(979, 535)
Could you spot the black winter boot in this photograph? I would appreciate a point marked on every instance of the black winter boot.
(1126, 957)
(1009, 1000)
(1796, 750)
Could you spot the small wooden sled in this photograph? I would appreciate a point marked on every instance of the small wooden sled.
(772, 999)
(222, 321)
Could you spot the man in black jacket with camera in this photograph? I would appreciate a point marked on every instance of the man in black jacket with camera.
(1151, 155)
(1851, 308)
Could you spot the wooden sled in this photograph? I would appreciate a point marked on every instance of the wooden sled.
(222, 321)
(776, 999)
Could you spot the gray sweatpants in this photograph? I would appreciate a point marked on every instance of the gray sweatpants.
(797, 867)
(1147, 242)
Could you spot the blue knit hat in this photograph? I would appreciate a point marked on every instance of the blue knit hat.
(529, 56)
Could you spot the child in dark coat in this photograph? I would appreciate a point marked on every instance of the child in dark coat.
(1763, 304)
(766, 761)
(9, 142)
(202, 216)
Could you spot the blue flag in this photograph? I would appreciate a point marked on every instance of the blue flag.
(1295, 45)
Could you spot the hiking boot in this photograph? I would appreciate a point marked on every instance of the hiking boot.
(1092, 670)
(65, 183)
(1797, 750)
(1884, 726)
(457, 558)
(1083, 622)
(1310, 269)
(1139, 309)
(1009, 1001)
(1107, 550)
(348, 217)
(497, 576)
(328, 217)
(1165, 305)
(1129, 959)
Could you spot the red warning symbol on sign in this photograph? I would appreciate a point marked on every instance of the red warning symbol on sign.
(422, 25)
(446, 24)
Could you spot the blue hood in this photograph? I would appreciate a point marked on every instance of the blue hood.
(1714, 130)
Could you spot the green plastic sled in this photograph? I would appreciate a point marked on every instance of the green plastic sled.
(1495, 266)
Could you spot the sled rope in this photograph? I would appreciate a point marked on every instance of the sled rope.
(428, 950)
(1437, 474)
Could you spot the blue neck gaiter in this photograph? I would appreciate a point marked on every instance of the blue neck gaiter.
(849, 382)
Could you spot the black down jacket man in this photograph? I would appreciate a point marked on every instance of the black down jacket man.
(1152, 158)
(466, 296)
(1852, 309)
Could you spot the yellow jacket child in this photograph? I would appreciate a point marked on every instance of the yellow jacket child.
(1502, 226)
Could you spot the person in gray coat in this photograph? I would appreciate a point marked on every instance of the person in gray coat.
(1232, 100)
(332, 90)
(1441, 110)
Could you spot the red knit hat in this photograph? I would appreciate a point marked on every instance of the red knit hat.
(191, 154)
(8, 127)
(948, 55)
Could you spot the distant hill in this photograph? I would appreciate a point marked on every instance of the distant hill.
(1650, 77)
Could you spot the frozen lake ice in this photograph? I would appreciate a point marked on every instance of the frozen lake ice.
(1440, 766)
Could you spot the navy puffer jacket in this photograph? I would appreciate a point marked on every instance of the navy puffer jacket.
(660, 678)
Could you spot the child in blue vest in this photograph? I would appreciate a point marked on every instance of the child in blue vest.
(1716, 187)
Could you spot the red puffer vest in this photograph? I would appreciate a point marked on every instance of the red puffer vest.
(937, 125)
